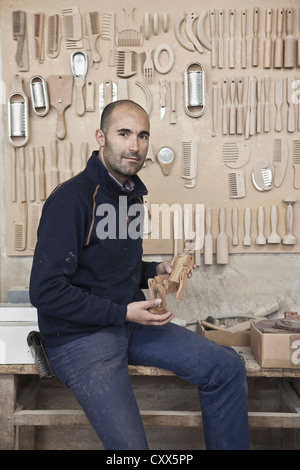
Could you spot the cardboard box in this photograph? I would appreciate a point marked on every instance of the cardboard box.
(275, 350)
(226, 338)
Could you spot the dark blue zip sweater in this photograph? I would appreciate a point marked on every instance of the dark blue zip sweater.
(79, 282)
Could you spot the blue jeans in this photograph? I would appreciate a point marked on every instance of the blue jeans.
(95, 368)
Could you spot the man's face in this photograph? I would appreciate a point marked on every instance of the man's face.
(125, 142)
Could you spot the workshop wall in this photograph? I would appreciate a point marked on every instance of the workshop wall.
(252, 123)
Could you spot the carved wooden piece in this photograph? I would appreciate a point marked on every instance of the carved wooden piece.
(159, 286)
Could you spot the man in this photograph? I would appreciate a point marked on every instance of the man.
(86, 284)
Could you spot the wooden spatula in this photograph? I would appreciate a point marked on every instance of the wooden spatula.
(60, 91)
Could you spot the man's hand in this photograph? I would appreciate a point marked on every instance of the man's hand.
(138, 312)
(164, 269)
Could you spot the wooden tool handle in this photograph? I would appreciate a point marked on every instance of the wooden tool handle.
(255, 37)
(289, 42)
(213, 37)
(278, 44)
(244, 43)
(289, 21)
(267, 105)
(240, 109)
(234, 222)
(42, 182)
(221, 39)
(224, 89)
(247, 226)
(231, 39)
(232, 116)
(268, 40)
(31, 162)
(80, 103)
(22, 173)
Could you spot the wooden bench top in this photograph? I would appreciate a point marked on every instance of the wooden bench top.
(252, 367)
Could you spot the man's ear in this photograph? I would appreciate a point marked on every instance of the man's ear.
(100, 138)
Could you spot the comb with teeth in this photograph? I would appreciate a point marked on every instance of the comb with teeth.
(236, 180)
(189, 154)
(296, 163)
(108, 33)
(129, 32)
(54, 36)
(93, 30)
(280, 157)
(262, 177)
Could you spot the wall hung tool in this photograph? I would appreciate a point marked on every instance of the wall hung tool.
(173, 101)
(244, 38)
(93, 31)
(107, 93)
(274, 237)
(290, 101)
(147, 92)
(148, 67)
(235, 154)
(125, 63)
(21, 228)
(289, 52)
(189, 20)
(247, 227)
(54, 36)
(200, 29)
(231, 61)
(79, 66)
(255, 39)
(166, 158)
(278, 43)
(72, 28)
(289, 238)
(190, 157)
(171, 57)
(267, 60)
(296, 163)
(194, 89)
(19, 35)
(18, 128)
(60, 95)
(129, 32)
(278, 102)
(39, 95)
(280, 159)
(108, 34)
(39, 37)
(234, 226)
(262, 177)
(222, 239)
(260, 239)
(178, 34)
(208, 239)
(236, 180)
(162, 101)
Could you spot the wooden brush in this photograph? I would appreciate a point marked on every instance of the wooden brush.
(54, 36)
(108, 33)
(19, 26)
(39, 37)
(93, 30)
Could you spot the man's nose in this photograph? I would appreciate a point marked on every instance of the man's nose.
(133, 143)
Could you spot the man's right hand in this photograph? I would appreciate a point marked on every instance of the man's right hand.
(138, 312)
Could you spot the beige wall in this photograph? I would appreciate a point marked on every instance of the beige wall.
(247, 282)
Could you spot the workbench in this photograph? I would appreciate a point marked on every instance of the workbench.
(19, 386)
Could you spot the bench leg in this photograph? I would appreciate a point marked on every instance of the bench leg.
(7, 408)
